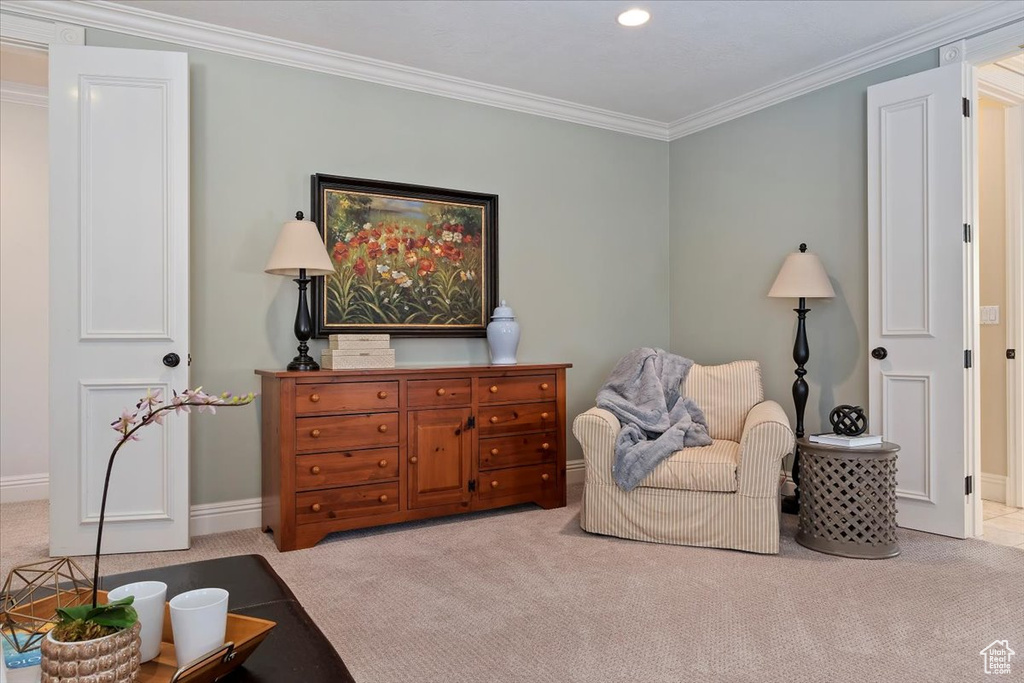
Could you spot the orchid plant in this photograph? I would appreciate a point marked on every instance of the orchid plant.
(151, 409)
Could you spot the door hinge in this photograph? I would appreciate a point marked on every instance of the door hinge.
(1011, 354)
(190, 359)
(471, 422)
(967, 107)
(968, 233)
(968, 358)
(968, 485)
(472, 485)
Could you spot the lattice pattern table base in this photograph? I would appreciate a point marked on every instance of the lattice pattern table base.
(848, 500)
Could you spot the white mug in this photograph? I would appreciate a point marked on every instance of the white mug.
(199, 620)
(150, 598)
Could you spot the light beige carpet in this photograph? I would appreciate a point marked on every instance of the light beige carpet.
(525, 596)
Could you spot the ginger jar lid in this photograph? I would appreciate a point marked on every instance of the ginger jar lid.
(503, 312)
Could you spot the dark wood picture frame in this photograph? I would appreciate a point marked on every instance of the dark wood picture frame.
(442, 274)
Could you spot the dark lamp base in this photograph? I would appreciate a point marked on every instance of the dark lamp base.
(790, 505)
(303, 364)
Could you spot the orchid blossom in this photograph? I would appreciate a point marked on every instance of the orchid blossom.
(151, 409)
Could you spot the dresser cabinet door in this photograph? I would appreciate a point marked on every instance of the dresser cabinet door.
(439, 457)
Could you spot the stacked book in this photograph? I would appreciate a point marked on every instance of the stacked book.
(831, 439)
(358, 351)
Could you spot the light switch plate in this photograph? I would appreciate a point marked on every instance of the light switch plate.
(989, 315)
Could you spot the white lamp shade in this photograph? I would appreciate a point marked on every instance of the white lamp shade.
(802, 275)
(299, 246)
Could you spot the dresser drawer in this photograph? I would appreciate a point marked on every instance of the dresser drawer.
(527, 388)
(341, 397)
(354, 501)
(517, 481)
(512, 451)
(517, 419)
(429, 393)
(341, 432)
(325, 470)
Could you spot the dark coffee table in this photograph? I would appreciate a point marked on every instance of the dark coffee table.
(296, 650)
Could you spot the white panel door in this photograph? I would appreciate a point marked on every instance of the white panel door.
(118, 293)
(916, 282)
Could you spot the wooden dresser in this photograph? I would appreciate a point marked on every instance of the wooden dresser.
(358, 448)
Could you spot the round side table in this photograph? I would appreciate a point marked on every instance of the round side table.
(848, 500)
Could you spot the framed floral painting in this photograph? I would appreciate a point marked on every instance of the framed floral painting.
(408, 260)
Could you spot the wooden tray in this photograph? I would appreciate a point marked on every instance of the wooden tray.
(243, 635)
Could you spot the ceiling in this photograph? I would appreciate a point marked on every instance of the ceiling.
(692, 56)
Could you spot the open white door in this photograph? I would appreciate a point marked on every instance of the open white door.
(917, 270)
(118, 293)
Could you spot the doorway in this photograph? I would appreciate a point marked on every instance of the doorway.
(1000, 265)
(24, 268)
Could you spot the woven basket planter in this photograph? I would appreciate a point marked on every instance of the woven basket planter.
(111, 659)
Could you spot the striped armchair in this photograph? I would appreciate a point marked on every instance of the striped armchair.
(725, 495)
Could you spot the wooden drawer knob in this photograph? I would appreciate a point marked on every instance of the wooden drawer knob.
(494, 420)
(315, 507)
(441, 392)
(382, 463)
(382, 394)
(493, 389)
(315, 469)
(494, 451)
(494, 484)
(315, 433)
(545, 446)
(543, 416)
(545, 476)
(383, 498)
(315, 398)
(382, 428)
(543, 386)
(414, 460)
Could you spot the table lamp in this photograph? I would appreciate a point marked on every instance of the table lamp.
(801, 277)
(300, 253)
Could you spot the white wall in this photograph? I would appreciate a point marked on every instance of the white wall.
(24, 277)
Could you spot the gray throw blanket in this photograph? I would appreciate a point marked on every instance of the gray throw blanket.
(644, 392)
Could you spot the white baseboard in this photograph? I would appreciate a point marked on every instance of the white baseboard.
(575, 472)
(993, 487)
(232, 515)
(209, 518)
(18, 489)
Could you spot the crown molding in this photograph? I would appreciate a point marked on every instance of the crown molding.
(1003, 85)
(983, 48)
(22, 93)
(162, 27)
(146, 24)
(33, 33)
(936, 34)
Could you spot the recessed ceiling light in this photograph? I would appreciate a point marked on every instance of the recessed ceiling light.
(634, 17)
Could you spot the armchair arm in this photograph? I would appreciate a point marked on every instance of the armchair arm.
(767, 439)
(596, 431)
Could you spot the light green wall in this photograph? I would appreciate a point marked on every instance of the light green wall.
(582, 230)
(746, 193)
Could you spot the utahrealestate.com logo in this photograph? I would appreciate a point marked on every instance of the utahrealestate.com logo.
(997, 657)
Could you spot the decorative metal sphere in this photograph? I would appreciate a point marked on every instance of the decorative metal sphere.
(848, 420)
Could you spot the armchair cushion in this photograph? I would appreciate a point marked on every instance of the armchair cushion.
(726, 393)
(706, 468)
